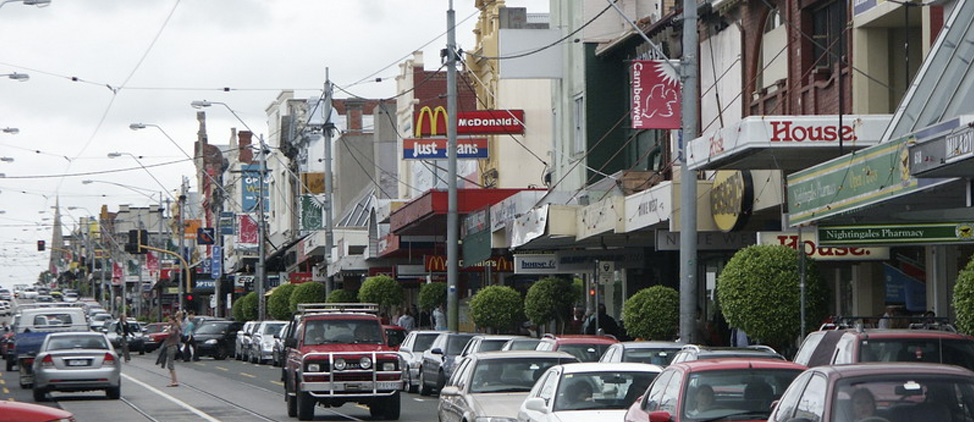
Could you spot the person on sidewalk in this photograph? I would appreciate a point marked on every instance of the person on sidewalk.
(123, 329)
(172, 346)
(189, 346)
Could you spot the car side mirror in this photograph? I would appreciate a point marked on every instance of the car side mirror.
(290, 342)
(436, 351)
(660, 416)
(536, 404)
(451, 390)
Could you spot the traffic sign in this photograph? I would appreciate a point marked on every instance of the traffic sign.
(205, 236)
(606, 270)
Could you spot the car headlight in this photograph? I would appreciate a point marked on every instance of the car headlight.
(388, 366)
(211, 341)
(365, 363)
(340, 364)
(314, 367)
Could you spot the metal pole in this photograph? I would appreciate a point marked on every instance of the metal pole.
(160, 243)
(329, 188)
(801, 281)
(688, 178)
(261, 248)
(183, 272)
(452, 228)
(138, 288)
(218, 281)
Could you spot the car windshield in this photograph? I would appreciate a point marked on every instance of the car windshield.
(584, 352)
(958, 352)
(655, 356)
(601, 390)
(272, 328)
(714, 395)
(77, 342)
(343, 331)
(155, 328)
(491, 345)
(211, 328)
(525, 344)
(424, 341)
(903, 397)
(509, 375)
(455, 343)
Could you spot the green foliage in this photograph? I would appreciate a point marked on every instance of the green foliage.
(248, 307)
(382, 290)
(549, 299)
(236, 310)
(964, 299)
(309, 292)
(759, 293)
(279, 304)
(578, 292)
(342, 296)
(432, 295)
(653, 313)
(497, 307)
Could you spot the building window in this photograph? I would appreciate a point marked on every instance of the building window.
(826, 27)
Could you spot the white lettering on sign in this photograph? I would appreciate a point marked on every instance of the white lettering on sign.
(421, 149)
(786, 131)
(960, 144)
(637, 94)
(648, 207)
(480, 122)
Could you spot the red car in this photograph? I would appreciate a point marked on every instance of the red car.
(155, 334)
(587, 348)
(712, 390)
(12, 411)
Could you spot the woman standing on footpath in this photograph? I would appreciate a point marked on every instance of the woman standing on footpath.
(172, 346)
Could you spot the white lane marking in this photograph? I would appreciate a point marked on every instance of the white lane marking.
(178, 402)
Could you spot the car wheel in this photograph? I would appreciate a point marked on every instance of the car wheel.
(40, 395)
(142, 350)
(292, 403)
(220, 353)
(388, 407)
(423, 389)
(306, 406)
(113, 393)
(10, 364)
(440, 381)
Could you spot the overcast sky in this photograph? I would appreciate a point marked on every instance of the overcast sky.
(96, 66)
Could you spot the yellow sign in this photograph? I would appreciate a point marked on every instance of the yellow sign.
(312, 183)
(732, 199)
(433, 118)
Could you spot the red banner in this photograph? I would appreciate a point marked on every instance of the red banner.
(655, 94)
(298, 278)
(432, 122)
(247, 232)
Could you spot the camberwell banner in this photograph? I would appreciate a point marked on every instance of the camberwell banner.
(655, 94)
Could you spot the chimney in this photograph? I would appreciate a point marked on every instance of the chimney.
(353, 113)
(246, 154)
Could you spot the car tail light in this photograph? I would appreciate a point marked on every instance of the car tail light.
(109, 359)
(47, 362)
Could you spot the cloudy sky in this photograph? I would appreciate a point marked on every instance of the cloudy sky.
(96, 66)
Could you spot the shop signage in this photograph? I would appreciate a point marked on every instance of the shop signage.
(649, 207)
(312, 183)
(893, 234)
(204, 286)
(227, 225)
(435, 148)
(388, 244)
(438, 263)
(432, 121)
(386, 271)
(814, 250)
(252, 189)
(732, 199)
(583, 260)
(536, 264)
(948, 152)
(298, 278)
(530, 225)
(655, 94)
(603, 216)
(707, 241)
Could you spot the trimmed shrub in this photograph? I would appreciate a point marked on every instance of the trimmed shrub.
(248, 306)
(549, 299)
(432, 295)
(964, 299)
(653, 313)
(342, 296)
(496, 307)
(236, 311)
(759, 293)
(279, 304)
(308, 292)
(381, 290)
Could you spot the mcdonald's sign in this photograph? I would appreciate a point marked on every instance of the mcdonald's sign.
(499, 264)
(432, 122)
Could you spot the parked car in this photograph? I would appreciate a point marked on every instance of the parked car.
(394, 334)
(585, 391)
(136, 338)
(242, 339)
(44, 299)
(439, 360)
(588, 348)
(519, 343)
(692, 352)
(262, 341)
(76, 361)
(879, 392)
(6, 295)
(29, 293)
(485, 343)
(215, 338)
(5, 308)
(98, 320)
(491, 386)
(411, 350)
(29, 412)
(70, 297)
(155, 335)
(888, 345)
(278, 353)
(653, 352)
(715, 390)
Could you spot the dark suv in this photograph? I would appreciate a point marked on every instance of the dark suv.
(216, 338)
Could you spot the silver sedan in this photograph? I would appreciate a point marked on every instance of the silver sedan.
(76, 361)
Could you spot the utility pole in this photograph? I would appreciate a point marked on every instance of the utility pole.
(452, 228)
(261, 232)
(184, 272)
(329, 187)
(160, 243)
(688, 178)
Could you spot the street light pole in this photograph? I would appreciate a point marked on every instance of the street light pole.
(452, 217)
(261, 232)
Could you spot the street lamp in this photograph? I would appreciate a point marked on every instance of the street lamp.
(138, 159)
(136, 189)
(22, 77)
(10, 130)
(38, 3)
(7, 159)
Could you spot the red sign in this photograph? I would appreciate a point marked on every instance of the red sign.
(298, 278)
(247, 232)
(500, 264)
(790, 132)
(432, 122)
(655, 93)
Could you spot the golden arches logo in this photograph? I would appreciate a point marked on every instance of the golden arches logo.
(435, 263)
(433, 118)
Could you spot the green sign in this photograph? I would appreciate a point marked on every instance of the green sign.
(311, 213)
(476, 246)
(888, 234)
(849, 182)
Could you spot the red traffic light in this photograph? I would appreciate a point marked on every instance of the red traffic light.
(591, 292)
(40, 245)
(189, 297)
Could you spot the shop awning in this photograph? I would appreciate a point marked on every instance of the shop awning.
(426, 215)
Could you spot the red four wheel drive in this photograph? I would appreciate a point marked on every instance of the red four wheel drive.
(338, 353)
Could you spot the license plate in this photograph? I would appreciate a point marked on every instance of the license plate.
(77, 362)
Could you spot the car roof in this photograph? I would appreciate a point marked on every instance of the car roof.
(906, 333)
(575, 368)
(75, 333)
(650, 345)
(872, 368)
(496, 336)
(515, 354)
(581, 338)
(720, 364)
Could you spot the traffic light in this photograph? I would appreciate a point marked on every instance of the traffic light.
(40, 245)
(189, 298)
(591, 292)
(136, 238)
